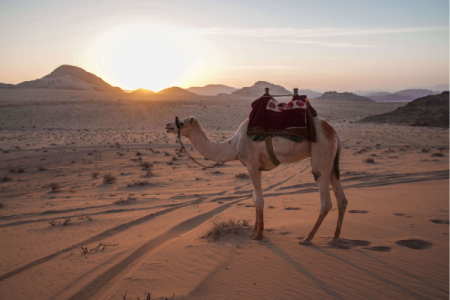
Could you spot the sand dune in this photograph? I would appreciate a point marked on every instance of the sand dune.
(395, 234)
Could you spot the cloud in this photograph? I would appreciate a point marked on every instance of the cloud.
(263, 68)
(315, 32)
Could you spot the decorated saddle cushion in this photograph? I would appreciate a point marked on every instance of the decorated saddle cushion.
(269, 117)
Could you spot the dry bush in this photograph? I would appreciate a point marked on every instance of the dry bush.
(53, 223)
(137, 183)
(146, 165)
(221, 228)
(362, 150)
(369, 160)
(109, 178)
(95, 174)
(5, 178)
(437, 154)
(121, 201)
(242, 175)
(55, 186)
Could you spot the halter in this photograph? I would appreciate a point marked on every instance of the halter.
(177, 123)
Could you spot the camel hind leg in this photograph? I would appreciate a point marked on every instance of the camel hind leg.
(323, 155)
(338, 191)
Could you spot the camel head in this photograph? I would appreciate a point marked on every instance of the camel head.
(186, 126)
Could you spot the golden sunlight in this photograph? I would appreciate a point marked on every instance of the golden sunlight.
(139, 56)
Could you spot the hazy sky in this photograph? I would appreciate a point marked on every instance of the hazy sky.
(338, 45)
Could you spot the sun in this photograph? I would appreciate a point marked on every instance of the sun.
(139, 56)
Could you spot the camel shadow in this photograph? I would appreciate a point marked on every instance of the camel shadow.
(322, 285)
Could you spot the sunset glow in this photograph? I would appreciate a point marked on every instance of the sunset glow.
(139, 56)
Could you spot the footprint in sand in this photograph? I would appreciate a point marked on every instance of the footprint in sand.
(439, 221)
(379, 248)
(358, 211)
(292, 208)
(414, 244)
(347, 244)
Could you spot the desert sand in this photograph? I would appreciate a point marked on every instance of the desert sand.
(142, 233)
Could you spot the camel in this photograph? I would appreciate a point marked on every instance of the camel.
(324, 155)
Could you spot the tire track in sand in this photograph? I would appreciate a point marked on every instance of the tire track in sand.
(100, 281)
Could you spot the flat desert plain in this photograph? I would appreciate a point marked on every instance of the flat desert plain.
(69, 232)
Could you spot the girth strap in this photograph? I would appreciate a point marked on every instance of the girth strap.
(270, 151)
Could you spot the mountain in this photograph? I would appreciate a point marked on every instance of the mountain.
(310, 93)
(438, 88)
(430, 110)
(68, 77)
(404, 95)
(176, 91)
(257, 90)
(212, 89)
(344, 97)
(143, 92)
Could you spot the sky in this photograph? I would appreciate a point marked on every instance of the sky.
(343, 45)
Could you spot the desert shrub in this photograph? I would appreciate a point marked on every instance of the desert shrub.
(220, 228)
(5, 178)
(137, 183)
(109, 178)
(242, 175)
(53, 223)
(146, 165)
(437, 154)
(55, 186)
(369, 160)
(121, 201)
(95, 174)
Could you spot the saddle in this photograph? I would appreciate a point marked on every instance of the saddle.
(271, 118)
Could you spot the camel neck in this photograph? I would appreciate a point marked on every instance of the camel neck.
(217, 152)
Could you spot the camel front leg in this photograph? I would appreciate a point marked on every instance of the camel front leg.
(258, 199)
(255, 227)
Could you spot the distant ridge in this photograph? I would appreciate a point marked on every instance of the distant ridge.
(212, 89)
(176, 91)
(142, 91)
(67, 77)
(404, 95)
(432, 110)
(257, 90)
(344, 97)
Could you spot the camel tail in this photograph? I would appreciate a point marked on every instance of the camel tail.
(335, 171)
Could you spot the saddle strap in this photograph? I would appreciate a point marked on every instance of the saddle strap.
(269, 148)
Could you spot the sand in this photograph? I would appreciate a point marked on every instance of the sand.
(395, 232)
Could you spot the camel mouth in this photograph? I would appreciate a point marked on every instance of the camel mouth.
(169, 129)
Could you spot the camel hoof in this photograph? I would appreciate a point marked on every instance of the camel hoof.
(305, 242)
(258, 237)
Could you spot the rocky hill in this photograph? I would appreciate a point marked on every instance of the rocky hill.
(257, 90)
(212, 89)
(431, 110)
(175, 91)
(310, 93)
(404, 95)
(68, 77)
(143, 92)
(344, 97)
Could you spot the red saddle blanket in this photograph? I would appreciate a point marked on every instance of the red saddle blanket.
(268, 117)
